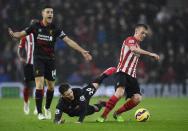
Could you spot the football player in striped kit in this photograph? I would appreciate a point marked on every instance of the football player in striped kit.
(126, 82)
(25, 55)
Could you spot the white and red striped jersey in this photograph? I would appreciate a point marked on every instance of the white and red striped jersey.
(128, 60)
(27, 42)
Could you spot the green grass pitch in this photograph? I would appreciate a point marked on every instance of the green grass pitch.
(167, 114)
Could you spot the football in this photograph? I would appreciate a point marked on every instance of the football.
(142, 115)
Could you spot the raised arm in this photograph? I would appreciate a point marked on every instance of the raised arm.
(17, 34)
(75, 46)
(144, 52)
(58, 115)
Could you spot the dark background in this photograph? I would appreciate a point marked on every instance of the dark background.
(100, 26)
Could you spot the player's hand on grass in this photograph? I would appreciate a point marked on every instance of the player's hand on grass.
(86, 55)
(78, 122)
(59, 122)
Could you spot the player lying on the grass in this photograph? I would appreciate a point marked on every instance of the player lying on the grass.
(75, 102)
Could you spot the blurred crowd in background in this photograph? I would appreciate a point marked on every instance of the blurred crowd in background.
(100, 26)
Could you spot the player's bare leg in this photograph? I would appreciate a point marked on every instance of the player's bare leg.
(49, 97)
(39, 96)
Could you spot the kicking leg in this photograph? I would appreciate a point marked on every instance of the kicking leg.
(104, 75)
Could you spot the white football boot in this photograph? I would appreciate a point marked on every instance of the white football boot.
(35, 112)
(47, 113)
(26, 108)
(41, 116)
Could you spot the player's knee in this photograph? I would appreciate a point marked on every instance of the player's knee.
(50, 85)
(119, 92)
(39, 82)
(51, 88)
(39, 86)
(137, 98)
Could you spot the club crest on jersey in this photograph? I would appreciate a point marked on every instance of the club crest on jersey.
(50, 32)
(82, 98)
(37, 72)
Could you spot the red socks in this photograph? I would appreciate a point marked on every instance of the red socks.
(127, 106)
(110, 71)
(110, 105)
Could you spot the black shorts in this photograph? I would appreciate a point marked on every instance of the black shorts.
(28, 73)
(89, 91)
(130, 83)
(46, 68)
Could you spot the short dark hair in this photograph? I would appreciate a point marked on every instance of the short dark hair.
(63, 88)
(141, 25)
(46, 6)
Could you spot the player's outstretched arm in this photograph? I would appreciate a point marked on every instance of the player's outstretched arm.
(16, 34)
(75, 46)
(144, 52)
(83, 112)
(58, 115)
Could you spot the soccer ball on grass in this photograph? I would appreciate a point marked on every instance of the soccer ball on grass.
(142, 115)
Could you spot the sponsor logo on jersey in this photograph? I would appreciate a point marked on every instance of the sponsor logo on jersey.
(44, 37)
(50, 32)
